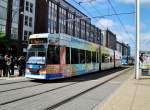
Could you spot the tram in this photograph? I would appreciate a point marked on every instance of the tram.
(124, 60)
(55, 56)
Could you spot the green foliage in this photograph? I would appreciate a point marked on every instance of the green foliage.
(3, 39)
(2, 34)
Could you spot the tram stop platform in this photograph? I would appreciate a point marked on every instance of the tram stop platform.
(131, 95)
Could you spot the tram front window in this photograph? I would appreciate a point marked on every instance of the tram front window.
(53, 54)
(36, 54)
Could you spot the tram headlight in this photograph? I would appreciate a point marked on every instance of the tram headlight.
(42, 71)
(27, 70)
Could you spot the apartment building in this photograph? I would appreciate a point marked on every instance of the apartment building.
(16, 24)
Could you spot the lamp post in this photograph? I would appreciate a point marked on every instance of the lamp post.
(137, 39)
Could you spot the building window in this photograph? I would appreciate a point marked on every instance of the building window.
(4, 0)
(62, 22)
(102, 39)
(30, 33)
(31, 7)
(14, 33)
(52, 17)
(30, 21)
(26, 20)
(15, 16)
(77, 26)
(2, 30)
(3, 13)
(25, 35)
(83, 29)
(27, 6)
(70, 23)
(16, 3)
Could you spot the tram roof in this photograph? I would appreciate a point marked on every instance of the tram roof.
(64, 39)
(41, 35)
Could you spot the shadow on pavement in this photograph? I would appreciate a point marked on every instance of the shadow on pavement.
(85, 77)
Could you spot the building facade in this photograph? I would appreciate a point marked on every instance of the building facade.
(119, 46)
(29, 18)
(25, 17)
(3, 17)
(62, 17)
(125, 49)
(111, 40)
(16, 24)
(108, 39)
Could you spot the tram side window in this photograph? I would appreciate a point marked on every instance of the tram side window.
(82, 56)
(105, 58)
(98, 57)
(74, 56)
(41, 54)
(67, 55)
(88, 56)
(53, 54)
(111, 60)
(94, 57)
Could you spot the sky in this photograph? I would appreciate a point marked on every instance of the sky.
(144, 26)
(124, 30)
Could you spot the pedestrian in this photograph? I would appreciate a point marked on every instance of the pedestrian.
(142, 58)
(8, 62)
(13, 62)
(21, 65)
(2, 65)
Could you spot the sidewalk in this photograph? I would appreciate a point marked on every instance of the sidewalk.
(132, 95)
(13, 77)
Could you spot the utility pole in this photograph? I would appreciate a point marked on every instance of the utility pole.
(137, 38)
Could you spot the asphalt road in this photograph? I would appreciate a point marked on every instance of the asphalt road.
(77, 93)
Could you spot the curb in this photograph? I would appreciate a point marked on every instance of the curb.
(12, 78)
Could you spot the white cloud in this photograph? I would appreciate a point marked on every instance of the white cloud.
(126, 1)
(133, 1)
(86, 1)
(128, 39)
(105, 23)
(90, 1)
(145, 36)
(144, 41)
(130, 28)
(124, 37)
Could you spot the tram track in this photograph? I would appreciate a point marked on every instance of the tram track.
(59, 103)
(79, 94)
(20, 88)
(13, 82)
(18, 99)
(42, 82)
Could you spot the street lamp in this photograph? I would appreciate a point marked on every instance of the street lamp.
(137, 38)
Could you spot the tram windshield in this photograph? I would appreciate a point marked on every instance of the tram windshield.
(36, 54)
